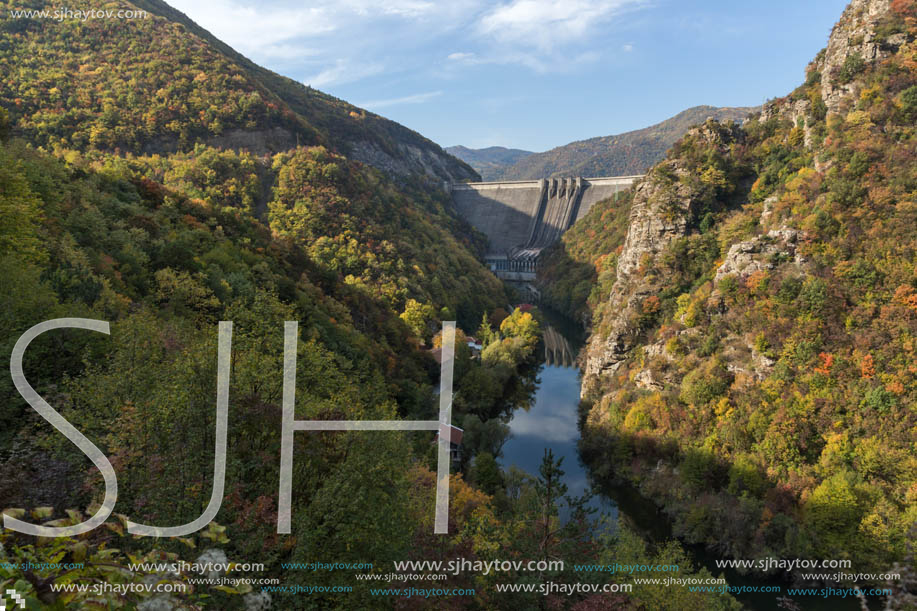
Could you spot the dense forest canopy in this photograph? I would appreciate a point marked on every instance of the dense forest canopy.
(750, 370)
(152, 178)
(751, 366)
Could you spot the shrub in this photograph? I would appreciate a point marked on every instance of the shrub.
(704, 384)
(909, 103)
(833, 513)
(638, 419)
(853, 65)
(878, 399)
(700, 469)
(709, 346)
(814, 295)
(728, 286)
(744, 475)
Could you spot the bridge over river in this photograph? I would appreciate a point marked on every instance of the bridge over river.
(521, 218)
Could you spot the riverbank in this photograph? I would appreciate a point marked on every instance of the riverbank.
(554, 421)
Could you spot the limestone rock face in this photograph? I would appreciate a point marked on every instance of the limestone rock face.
(411, 159)
(659, 215)
(760, 253)
(662, 208)
(854, 38)
(853, 35)
(797, 112)
(646, 380)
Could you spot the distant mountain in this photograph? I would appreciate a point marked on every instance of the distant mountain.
(489, 162)
(624, 154)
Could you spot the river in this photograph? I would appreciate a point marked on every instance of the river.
(551, 422)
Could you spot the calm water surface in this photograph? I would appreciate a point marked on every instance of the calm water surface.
(551, 423)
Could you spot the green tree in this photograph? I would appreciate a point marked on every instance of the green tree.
(521, 324)
(486, 473)
(833, 512)
(20, 212)
(418, 316)
(485, 332)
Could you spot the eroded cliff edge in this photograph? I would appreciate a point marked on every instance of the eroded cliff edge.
(751, 368)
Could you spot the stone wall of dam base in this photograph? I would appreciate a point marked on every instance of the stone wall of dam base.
(532, 214)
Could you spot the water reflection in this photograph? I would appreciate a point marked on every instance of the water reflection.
(548, 420)
(557, 349)
(551, 421)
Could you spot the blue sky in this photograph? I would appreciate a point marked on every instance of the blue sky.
(529, 74)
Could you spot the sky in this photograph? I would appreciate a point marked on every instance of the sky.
(530, 74)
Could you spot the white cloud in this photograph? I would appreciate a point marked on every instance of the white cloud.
(548, 427)
(343, 41)
(258, 30)
(587, 57)
(627, 48)
(343, 71)
(348, 39)
(418, 98)
(287, 51)
(401, 8)
(539, 62)
(546, 24)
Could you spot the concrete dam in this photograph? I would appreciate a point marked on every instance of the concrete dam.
(521, 218)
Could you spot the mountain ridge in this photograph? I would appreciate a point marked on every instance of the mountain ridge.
(623, 154)
(208, 93)
(489, 162)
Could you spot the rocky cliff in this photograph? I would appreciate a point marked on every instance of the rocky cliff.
(664, 205)
(864, 35)
(855, 41)
(751, 366)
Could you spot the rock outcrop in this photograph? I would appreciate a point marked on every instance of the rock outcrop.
(412, 158)
(761, 253)
(853, 40)
(856, 41)
(662, 209)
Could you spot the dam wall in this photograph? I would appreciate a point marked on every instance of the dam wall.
(520, 218)
(503, 211)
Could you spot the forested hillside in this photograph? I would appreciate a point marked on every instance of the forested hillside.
(754, 309)
(163, 84)
(103, 240)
